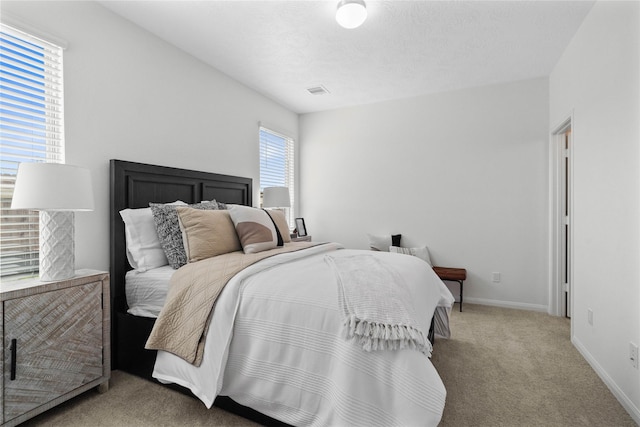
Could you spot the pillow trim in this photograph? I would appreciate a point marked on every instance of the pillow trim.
(280, 239)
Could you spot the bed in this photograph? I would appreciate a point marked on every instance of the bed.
(265, 356)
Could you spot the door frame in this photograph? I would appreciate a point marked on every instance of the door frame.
(556, 216)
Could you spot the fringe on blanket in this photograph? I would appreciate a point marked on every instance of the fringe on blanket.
(373, 336)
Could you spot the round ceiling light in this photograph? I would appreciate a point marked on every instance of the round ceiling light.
(351, 13)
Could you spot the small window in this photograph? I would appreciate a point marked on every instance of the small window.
(31, 130)
(277, 165)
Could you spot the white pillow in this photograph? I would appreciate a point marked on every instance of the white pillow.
(422, 252)
(255, 228)
(379, 243)
(144, 250)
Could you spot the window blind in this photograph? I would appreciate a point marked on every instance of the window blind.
(31, 130)
(277, 164)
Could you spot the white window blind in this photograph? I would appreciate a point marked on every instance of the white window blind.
(277, 164)
(31, 130)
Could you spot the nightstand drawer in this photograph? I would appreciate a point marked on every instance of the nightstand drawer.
(55, 342)
(55, 345)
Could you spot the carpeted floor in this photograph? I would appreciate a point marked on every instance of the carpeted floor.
(507, 367)
(501, 367)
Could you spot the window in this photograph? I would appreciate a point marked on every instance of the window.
(31, 130)
(277, 165)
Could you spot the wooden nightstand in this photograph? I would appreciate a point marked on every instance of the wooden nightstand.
(453, 274)
(56, 342)
(301, 239)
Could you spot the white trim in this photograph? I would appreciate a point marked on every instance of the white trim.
(624, 400)
(290, 167)
(505, 304)
(278, 131)
(556, 151)
(22, 25)
(45, 80)
(285, 133)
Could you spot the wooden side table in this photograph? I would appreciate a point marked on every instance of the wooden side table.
(454, 275)
(301, 239)
(55, 337)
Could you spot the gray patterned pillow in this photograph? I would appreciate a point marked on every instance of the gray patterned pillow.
(168, 228)
(221, 205)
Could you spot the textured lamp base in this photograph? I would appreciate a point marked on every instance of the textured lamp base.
(57, 249)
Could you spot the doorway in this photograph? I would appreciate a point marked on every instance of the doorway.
(562, 211)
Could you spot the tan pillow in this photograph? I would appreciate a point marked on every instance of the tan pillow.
(281, 222)
(206, 234)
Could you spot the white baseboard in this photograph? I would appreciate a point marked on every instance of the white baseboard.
(624, 400)
(505, 304)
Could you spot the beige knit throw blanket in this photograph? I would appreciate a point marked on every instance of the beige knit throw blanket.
(376, 304)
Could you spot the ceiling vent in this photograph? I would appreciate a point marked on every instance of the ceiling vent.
(317, 90)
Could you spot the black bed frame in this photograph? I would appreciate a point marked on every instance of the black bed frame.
(134, 185)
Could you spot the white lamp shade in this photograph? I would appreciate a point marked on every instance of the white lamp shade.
(52, 187)
(351, 13)
(276, 197)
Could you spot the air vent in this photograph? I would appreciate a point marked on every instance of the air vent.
(317, 90)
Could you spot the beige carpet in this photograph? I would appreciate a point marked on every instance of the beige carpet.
(506, 367)
(502, 367)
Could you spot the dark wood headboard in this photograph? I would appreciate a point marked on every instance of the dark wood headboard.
(134, 185)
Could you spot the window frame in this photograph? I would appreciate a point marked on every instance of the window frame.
(32, 129)
(288, 172)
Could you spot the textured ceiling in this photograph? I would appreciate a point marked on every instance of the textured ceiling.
(404, 48)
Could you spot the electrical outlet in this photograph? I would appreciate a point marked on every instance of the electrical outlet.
(590, 316)
(495, 277)
(633, 354)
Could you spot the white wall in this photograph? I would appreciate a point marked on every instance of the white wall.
(597, 78)
(131, 96)
(463, 172)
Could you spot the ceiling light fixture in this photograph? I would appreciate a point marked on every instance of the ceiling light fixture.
(351, 13)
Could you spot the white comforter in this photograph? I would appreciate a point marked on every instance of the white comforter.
(275, 344)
